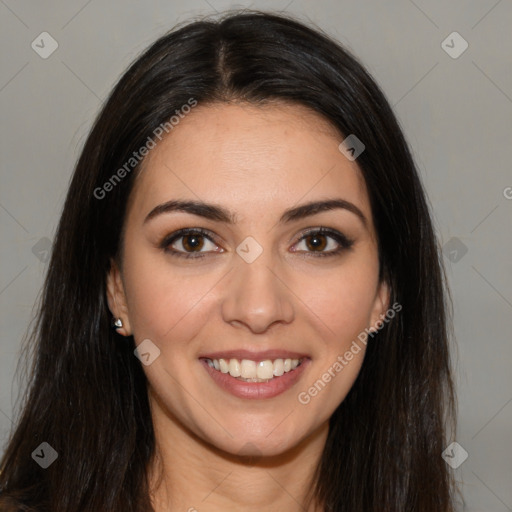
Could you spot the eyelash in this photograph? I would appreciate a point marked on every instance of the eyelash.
(344, 242)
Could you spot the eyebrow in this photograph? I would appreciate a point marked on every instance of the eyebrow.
(220, 214)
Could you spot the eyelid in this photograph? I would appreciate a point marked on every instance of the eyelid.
(344, 242)
(180, 233)
(340, 237)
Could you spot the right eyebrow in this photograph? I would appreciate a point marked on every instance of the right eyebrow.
(208, 211)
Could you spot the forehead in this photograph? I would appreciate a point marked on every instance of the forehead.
(249, 158)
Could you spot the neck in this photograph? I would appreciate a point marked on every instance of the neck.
(188, 474)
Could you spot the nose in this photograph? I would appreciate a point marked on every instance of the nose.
(256, 296)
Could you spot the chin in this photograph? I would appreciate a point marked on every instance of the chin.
(267, 441)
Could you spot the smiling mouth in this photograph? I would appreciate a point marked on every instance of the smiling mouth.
(247, 370)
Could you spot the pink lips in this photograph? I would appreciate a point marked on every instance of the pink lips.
(255, 390)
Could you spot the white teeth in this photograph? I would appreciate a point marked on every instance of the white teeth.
(278, 367)
(265, 369)
(234, 368)
(224, 365)
(253, 371)
(248, 369)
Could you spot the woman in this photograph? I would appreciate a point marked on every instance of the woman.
(245, 306)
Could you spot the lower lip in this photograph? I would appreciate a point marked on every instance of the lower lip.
(256, 390)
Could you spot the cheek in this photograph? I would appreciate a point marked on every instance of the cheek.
(344, 305)
(343, 301)
(163, 302)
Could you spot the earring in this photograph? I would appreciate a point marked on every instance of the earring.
(117, 323)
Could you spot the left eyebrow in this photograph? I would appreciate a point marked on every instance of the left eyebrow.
(315, 207)
(220, 214)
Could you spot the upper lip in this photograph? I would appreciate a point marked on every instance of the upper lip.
(261, 355)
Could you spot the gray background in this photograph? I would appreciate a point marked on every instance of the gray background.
(456, 114)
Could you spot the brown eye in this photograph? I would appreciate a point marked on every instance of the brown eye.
(316, 242)
(193, 242)
(189, 243)
(323, 242)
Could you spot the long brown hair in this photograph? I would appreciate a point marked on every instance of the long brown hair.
(87, 394)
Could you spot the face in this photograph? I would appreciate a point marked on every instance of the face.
(261, 295)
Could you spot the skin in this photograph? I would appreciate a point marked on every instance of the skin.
(257, 162)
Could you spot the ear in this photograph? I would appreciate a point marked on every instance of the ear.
(116, 298)
(380, 307)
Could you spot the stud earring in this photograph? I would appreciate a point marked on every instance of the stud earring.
(117, 323)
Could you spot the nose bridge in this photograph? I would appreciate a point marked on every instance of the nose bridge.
(255, 295)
